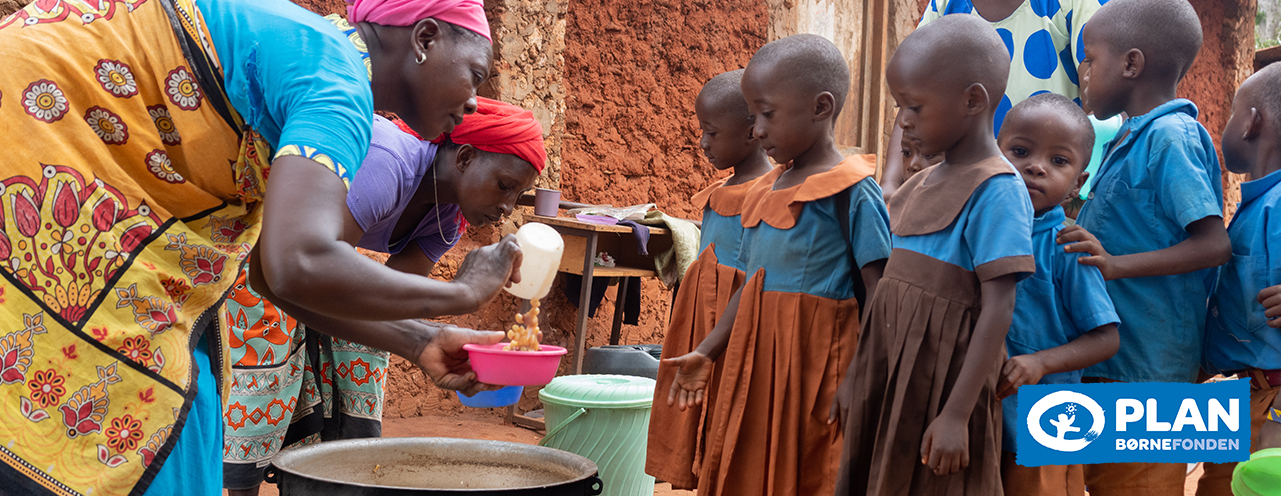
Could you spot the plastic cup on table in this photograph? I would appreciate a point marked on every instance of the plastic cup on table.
(546, 202)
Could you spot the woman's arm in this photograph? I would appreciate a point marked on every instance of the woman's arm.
(945, 447)
(307, 261)
(412, 260)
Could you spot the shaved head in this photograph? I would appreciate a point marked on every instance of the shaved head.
(1266, 89)
(1059, 104)
(723, 95)
(807, 62)
(957, 50)
(1168, 32)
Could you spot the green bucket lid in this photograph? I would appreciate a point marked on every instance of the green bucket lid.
(1260, 476)
(600, 391)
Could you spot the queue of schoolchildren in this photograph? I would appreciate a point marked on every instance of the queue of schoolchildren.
(831, 341)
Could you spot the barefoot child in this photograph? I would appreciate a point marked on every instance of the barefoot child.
(1237, 337)
(727, 141)
(924, 416)
(1154, 223)
(815, 234)
(1063, 319)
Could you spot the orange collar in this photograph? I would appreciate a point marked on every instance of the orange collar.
(781, 208)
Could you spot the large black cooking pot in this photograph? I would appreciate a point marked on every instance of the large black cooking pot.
(436, 466)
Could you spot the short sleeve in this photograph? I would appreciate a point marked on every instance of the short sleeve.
(933, 11)
(1084, 293)
(434, 247)
(870, 221)
(1272, 243)
(375, 192)
(1183, 189)
(998, 230)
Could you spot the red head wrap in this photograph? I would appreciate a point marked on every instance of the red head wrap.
(499, 127)
(469, 14)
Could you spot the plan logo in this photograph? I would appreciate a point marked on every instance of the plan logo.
(1064, 424)
(1065, 409)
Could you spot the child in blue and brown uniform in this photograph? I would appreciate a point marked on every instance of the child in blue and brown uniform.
(924, 416)
(1154, 222)
(1237, 337)
(1063, 318)
(815, 233)
(675, 435)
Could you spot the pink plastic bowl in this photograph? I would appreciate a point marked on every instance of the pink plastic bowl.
(494, 365)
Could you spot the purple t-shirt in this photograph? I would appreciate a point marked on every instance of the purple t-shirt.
(386, 181)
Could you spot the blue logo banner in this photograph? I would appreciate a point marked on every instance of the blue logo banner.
(1064, 424)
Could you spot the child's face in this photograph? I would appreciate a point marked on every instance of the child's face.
(783, 118)
(1046, 148)
(1101, 76)
(914, 161)
(727, 139)
(1234, 145)
(928, 111)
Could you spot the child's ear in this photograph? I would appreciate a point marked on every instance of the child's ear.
(824, 106)
(1080, 183)
(976, 99)
(464, 157)
(1255, 127)
(1134, 63)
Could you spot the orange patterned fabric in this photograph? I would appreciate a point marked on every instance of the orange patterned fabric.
(126, 207)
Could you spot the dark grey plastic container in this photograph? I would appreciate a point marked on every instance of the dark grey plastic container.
(632, 359)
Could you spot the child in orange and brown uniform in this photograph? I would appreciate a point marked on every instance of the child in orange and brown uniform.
(675, 435)
(924, 413)
(815, 233)
(1154, 223)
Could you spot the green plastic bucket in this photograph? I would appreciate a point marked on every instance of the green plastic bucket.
(1260, 476)
(606, 419)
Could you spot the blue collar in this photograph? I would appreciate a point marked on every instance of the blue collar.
(1257, 187)
(1136, 124)
(1048, 220)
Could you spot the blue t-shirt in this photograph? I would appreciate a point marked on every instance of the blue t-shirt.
(1060, 302)
(807, 258)
(388, 178)
(294, 78)
(1237, 335)
(995, 223)
(1159, 175)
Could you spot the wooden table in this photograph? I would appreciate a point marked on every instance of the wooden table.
(583, 240)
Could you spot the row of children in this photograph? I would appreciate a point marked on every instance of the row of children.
(968, 285)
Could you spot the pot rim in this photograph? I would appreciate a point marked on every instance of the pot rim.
(591, 470)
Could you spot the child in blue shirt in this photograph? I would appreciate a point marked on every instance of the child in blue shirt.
(1237, 337)
(1154, 223)
(1063, 318)
(924, 417)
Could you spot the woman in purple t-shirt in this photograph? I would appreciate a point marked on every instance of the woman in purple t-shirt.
(413, 199)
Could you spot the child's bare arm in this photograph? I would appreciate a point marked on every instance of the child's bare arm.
(1090, 348)
(1207, 247)
(945, 447)
(1271, 300)
(694, 369)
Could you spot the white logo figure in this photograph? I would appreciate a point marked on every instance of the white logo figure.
(1065, 420)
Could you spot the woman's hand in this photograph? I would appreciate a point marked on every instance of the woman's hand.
(1271, 299)
(447, 363)
(946, 446)
(1018, 371)
(490, 268)
(1078, 240)
(693, 372)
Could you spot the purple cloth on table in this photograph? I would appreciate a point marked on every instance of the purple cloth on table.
(393, 169)
(642, 236)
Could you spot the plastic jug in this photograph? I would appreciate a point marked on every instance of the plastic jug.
(541, 247)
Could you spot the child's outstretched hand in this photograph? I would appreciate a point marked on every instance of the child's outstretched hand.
(1078, 240)
(693, 371)
(946, 446)
(1271, 300)
(1018, 371)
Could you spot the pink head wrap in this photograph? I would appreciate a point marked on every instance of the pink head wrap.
(469, 14)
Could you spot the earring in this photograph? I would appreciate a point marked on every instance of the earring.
(420, 58)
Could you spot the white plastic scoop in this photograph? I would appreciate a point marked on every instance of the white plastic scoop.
(541, 247)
